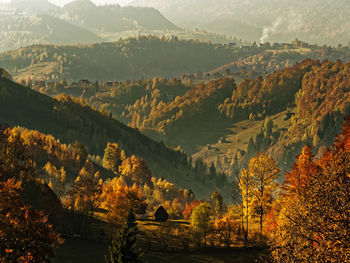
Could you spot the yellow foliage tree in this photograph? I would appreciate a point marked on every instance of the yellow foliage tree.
(264, 173)
(136, 170)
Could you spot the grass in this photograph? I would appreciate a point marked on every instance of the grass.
(93, 249)
(236, 137)
(37, 70)
(234, 255)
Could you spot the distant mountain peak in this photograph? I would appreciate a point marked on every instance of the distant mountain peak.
(80, 3)
(35, 6)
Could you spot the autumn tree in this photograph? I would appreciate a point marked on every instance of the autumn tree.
(187, 212)
(112, 157)
(57, 178)
(123, 246)
(313, 224)
(118, 199)
(86, 190)
(136, 170)
(263, 172)
(25, 234)
(245, 185)
(225, 227)
(79, 150)
(217, 203)
(293, 212)
(201, 223)
(14, 159)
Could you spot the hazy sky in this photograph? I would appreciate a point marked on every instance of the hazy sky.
(62, 2)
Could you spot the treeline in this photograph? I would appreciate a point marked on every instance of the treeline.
(315, 96)
(65, 168)
(162, 56)
(143, 57)
(158, 107)
(322, 103)
(257, 98)
(69, 119)
(315, 92)
(117, 97)
(161, 117)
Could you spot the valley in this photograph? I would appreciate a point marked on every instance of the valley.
(174, 131)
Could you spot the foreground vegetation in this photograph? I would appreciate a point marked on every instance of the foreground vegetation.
(305, 218)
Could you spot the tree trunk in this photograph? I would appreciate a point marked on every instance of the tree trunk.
(261, 221)
(247, 215)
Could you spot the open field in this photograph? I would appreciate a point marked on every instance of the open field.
(150, 239)
(234, 137)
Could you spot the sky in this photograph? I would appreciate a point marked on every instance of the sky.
(62, 2)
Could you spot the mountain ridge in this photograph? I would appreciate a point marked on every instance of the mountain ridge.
(316, 21)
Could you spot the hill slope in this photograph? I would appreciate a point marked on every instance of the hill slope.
(28, 22)
(144, 57)
(113, 18)
(21, 30)
(70, 121)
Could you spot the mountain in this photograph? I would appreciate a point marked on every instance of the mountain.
(70, 120)
(230, 27)
(316, 21)
(26, 22)
(113, 18)
(133, 58)
(21, 30)
(33, 6)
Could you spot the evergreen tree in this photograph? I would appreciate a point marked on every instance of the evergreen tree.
(122, 249)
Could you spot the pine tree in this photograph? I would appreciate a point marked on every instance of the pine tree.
(122, 249)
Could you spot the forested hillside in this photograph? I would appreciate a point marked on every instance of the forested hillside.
(22, 30)
(29, 22)
(221, 135)
(304, 104)
(114, 18)
(70, 120)
(183, 112)
(151, 56)
(139, 58)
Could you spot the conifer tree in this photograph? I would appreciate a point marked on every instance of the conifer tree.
(122, 249)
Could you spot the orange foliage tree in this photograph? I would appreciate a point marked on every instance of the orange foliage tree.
(314, 221)
(25, 234)
(118, 199)
(86, 190)
(136, 170)
(187, 212)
